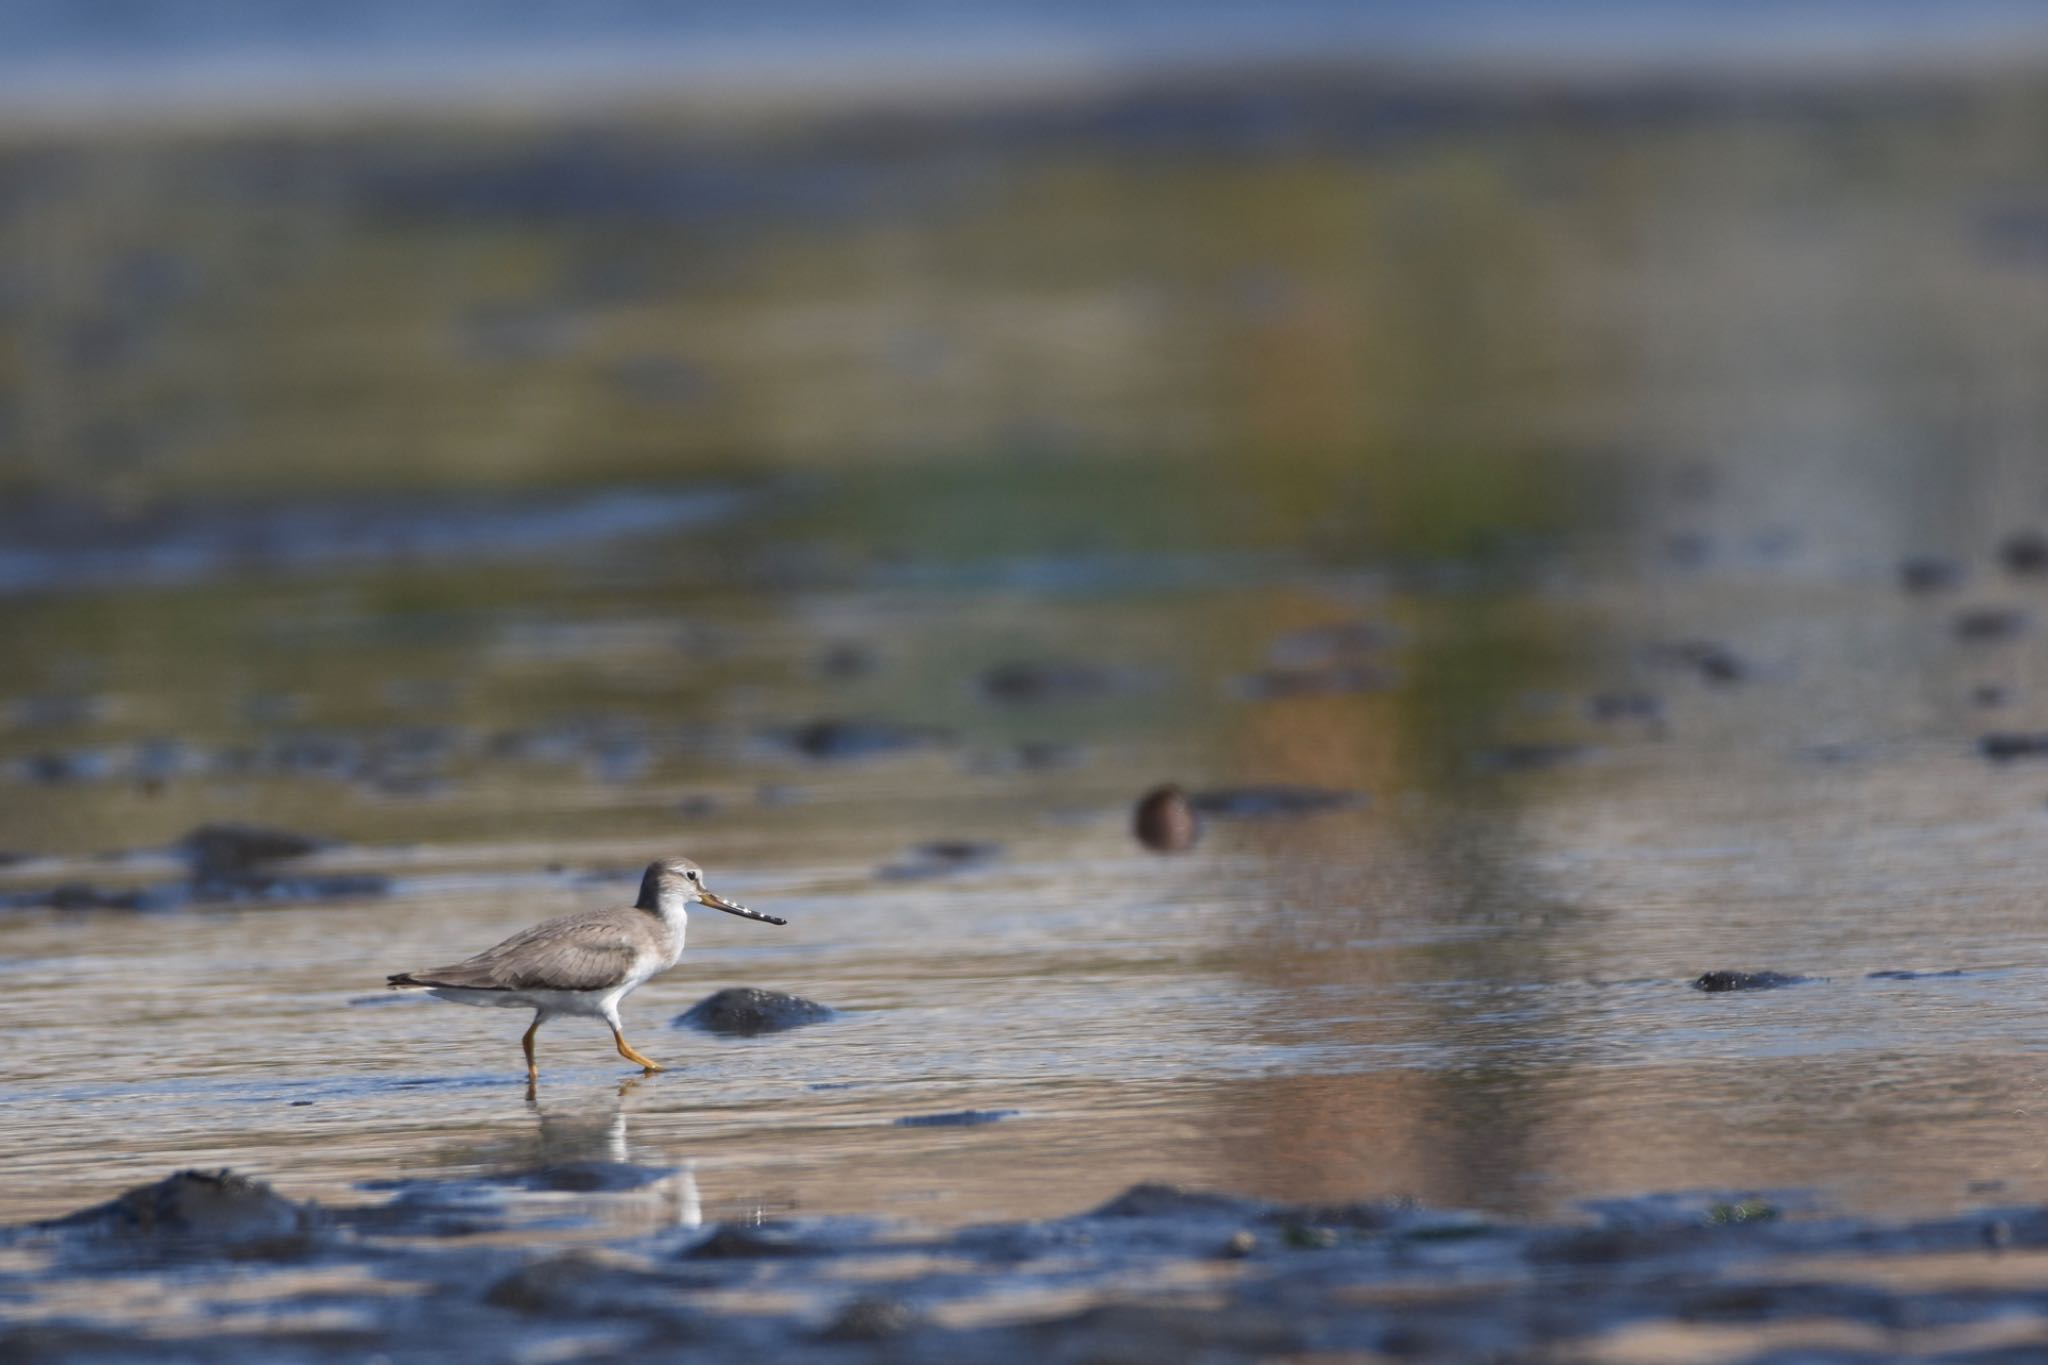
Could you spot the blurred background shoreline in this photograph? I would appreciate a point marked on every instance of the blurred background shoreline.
(207, 61)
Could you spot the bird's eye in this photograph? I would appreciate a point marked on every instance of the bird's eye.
(691, 874)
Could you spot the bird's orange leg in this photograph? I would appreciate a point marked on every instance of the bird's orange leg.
(532, 1067)
(633, 1054)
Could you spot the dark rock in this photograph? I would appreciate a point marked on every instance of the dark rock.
(743, 1011)
(1254, 803)
(1715, 663)
(1154, 1200)
(1930, 573)
(226, 851)
(1165, 820)
(77, 765)
(958, 1118)
(84, 896)
(872, 1317)
(2024, 553)
(1988, 625)
(733, 1242)
(203, 1204)
(844, 739)
(1523, 758)
(940, 857)
(1746, 981)
(341, 886)
(1022, 682)
(2004, 746)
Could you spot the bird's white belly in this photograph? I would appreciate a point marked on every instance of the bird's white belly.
(591, 1003)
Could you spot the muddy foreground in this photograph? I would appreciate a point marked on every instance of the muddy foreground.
(215, 1266)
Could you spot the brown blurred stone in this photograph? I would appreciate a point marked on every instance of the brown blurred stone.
(1164, 821)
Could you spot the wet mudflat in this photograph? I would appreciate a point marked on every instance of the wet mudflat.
(224, 1268)
(1502, 729)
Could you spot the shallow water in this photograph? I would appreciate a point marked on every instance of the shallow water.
(1641, 697)
(1473, 990)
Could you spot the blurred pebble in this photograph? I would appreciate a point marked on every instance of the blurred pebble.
(1746, 981)
(1025, 683)
(1165, 821)
(1715, 663)
(940, 857)
(1986, 625)
(1523, 758)
(1929, 573)
(2003, 746)
(2024, 552)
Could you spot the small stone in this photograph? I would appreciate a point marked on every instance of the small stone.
(837, 739)
(1026, 683)
(1745, 981)
(1165, 821)
(1715, 663)
(1929, 573)
(2024, 553)
(2004, 746)
(226, 851)
(1988, 625)
(939, 857)
(1242, 1243)
(744, 1011)
(213, 1204)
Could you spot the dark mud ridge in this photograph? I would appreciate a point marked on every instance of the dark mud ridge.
(226, 863)
(210, 1266)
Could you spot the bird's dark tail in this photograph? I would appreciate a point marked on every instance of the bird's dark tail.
(400, 980)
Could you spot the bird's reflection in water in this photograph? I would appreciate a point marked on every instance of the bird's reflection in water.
(577, 1141)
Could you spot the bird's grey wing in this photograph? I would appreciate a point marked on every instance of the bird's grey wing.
(581, 952)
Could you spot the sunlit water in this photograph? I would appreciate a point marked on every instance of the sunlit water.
(1473, 991)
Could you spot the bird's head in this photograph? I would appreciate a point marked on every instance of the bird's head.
(673, 883)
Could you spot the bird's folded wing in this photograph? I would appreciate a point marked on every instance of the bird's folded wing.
(568, 954)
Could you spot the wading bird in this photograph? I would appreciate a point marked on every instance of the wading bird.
(584, 963)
